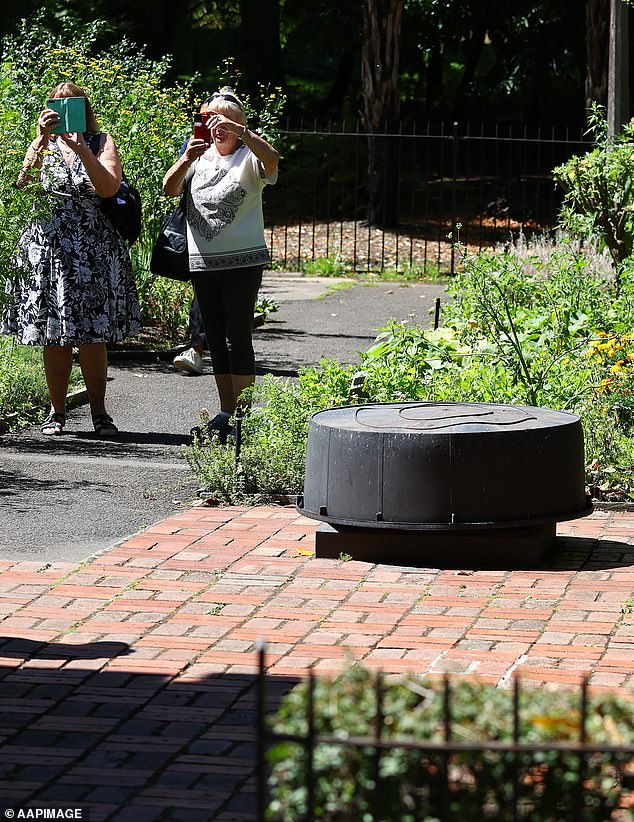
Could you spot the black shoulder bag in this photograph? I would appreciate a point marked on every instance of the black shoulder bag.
(170, 257)
(124, 208)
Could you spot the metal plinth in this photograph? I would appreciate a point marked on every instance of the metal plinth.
(506, 548)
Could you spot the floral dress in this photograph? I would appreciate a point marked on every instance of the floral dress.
(74, 281)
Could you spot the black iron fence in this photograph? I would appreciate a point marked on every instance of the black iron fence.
(449, 770)
(439, 183)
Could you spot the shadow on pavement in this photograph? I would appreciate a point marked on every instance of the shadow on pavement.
(295, 332)
(87, 444)
(13, 484)
(274, 371)
(567, 554)
(137, 745)
(136, 438)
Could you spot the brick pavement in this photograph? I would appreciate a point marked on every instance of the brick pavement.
(127, 682)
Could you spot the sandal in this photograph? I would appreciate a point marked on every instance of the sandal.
(104, 426)
(53, 424)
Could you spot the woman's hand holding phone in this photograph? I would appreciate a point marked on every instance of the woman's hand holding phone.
(195, 149)
(47, 121)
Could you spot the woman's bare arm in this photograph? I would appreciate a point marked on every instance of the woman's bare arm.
(175, 176)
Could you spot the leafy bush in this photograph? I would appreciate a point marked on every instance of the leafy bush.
(23, 389)
(598, 186)
(274, 433)
(410, 782)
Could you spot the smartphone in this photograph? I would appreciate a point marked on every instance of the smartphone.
(71, 112)
(201, 132)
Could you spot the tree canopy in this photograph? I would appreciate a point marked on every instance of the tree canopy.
(474, 59)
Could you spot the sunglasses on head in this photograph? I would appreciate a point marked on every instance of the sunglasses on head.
(229, 97)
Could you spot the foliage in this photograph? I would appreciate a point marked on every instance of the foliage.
(598, 186)
(265, 304)
(23, 389)
(410, 782)
(333, 266)
(529, 325)
(508, 58)
(530, 322)
(274, 433)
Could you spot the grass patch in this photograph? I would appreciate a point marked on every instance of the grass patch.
(332, 288)
(336, 266)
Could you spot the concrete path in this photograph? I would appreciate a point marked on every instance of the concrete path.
(128, 685)
(63, 499)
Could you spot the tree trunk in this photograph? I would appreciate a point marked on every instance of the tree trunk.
(597, 29)
(381, 105)
(473, 47)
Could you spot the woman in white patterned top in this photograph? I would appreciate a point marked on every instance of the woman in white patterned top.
(224, 179)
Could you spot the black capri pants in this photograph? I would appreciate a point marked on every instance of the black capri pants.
(227, 300)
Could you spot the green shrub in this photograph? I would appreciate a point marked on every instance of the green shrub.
(23, 389)
(598, 187)
(274, 434)
(410, 782)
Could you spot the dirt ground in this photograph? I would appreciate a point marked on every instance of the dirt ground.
(358, 246)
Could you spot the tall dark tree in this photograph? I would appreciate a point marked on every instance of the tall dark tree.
(597, 29)
(381, 105)
(259, 47)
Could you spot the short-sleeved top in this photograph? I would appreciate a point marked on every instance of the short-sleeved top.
(225, 225)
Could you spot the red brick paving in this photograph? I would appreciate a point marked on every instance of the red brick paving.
(127, 683)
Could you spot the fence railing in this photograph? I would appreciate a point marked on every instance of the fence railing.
(448, 768)
(440, 183)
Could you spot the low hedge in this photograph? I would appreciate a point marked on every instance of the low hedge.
(482, 783)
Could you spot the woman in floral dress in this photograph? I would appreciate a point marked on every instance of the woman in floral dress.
(74, 285)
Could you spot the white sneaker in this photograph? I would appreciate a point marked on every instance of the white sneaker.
(189, 361)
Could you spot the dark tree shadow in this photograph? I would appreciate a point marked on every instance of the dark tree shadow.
(82, 444)
(121, 745)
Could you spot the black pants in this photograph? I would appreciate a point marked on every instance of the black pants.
(226, 300)
(197, 338)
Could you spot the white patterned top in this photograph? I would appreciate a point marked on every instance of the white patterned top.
(225, 225)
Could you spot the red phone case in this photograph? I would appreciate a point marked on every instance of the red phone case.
(201, 132)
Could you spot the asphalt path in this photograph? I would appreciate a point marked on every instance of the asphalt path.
(67, 498)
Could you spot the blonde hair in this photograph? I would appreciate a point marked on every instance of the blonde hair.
(226, 101)
(72, 90)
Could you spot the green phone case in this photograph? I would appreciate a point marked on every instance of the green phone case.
(72, 114)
